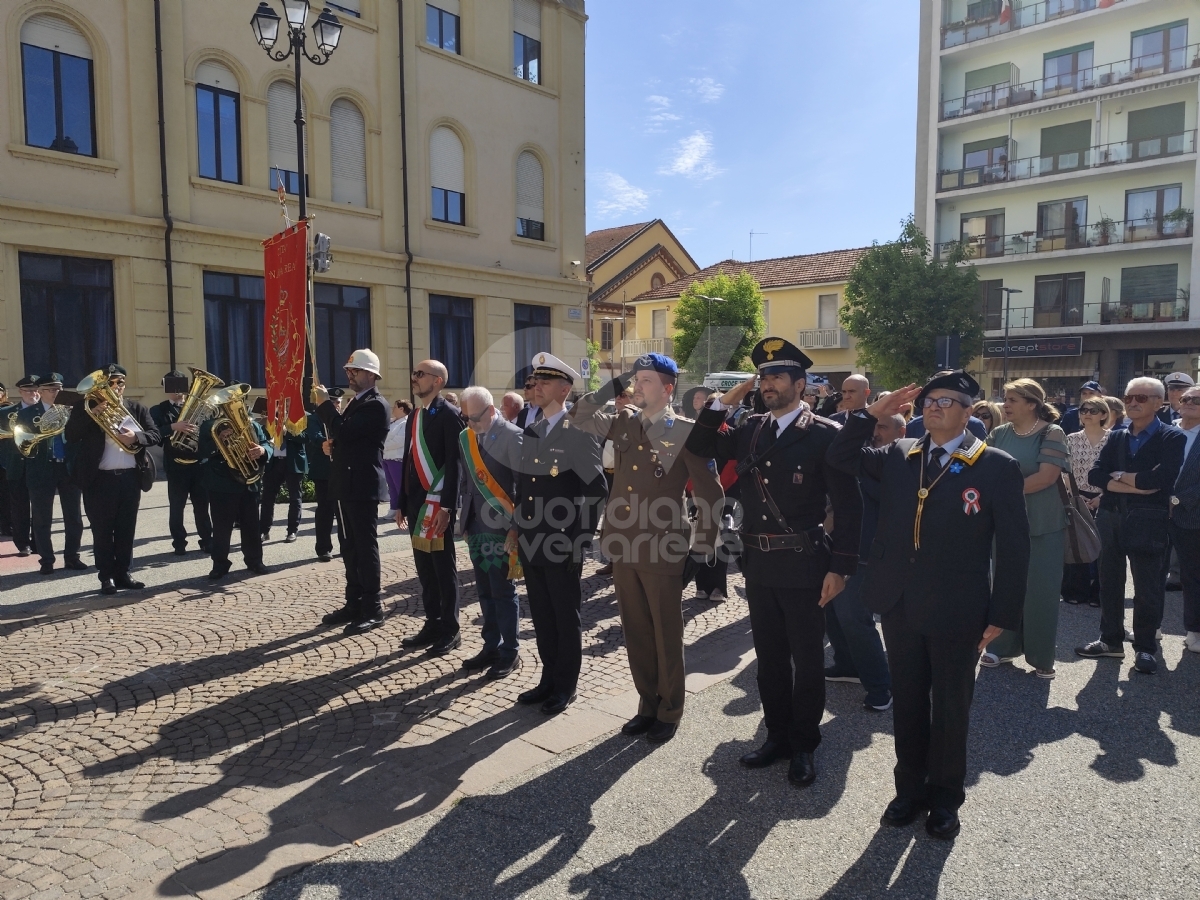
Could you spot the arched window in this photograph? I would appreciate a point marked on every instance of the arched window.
(531, 214)
(348, 140)
(656, 281)
(218, 123)
(447, 166)
(281, 137)
(60, 103)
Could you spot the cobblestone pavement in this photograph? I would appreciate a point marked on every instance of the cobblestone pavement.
(150, 738)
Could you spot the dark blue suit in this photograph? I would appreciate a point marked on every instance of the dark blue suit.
(1185, 534)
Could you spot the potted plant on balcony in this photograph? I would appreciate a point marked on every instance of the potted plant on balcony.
(1180, 221)
(1106, 228)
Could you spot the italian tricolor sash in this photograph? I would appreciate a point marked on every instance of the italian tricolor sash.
(487, 554)
(431, 478)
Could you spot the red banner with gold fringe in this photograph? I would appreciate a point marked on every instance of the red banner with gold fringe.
(284, 331)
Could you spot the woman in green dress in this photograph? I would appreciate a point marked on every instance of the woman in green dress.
(1033, 440)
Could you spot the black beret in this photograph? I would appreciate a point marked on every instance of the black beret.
(949, 381)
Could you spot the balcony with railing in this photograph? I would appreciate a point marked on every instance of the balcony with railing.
(1006, 95)
(823, 339)
(1117, 154)
(1135, 312)
(988, 18)
(1027, 243)
(642, 346)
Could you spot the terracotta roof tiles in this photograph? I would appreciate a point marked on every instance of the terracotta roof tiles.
(785, 271)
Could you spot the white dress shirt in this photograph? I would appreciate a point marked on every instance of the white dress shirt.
(115, 456)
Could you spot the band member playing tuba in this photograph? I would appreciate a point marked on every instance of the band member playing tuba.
(234, 449)
(185, 472)
(113, 434)
(46, 474)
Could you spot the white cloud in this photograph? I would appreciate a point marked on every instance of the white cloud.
(660, 114)
(709, 89)
(620, 197)
(658, 101)
(693, 158)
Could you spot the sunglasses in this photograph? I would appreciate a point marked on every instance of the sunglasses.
(1096, 412)
(1190, 401)
(984, 415)
(419, 374)
(480, 416)
(1139, 398)
(940, 402)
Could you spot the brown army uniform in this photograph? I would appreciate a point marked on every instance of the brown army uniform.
(647, 535)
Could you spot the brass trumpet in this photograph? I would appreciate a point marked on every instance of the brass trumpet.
(111, 413)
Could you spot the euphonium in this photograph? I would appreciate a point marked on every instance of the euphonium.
(51, 423)
(6, 427)
(196, 410)
(233, 432)
(109, 416)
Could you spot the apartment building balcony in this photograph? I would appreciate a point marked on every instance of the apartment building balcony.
(1127, 71)
(823, 339)
(1173, 226)
(642, 346)
(1136, 312)
(987, 18)
(1101, 157)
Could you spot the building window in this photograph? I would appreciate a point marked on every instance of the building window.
(343, 324)
(656, 281)
(1163, 47)
(68, 319)
(447, 166)
(1057, 300)
(233, 327)
(1157, 131)
(345, 7)
(1152, 213)
(441, 25)
(531, 326)
(983, 233)
(60, 109)
(606, 335)
(452, 336)
(658, 323)
(218, 123)
(1062, 224)
(348, 153)
(527, 39)
(530, 198)
(1151, 294)
(1066, 70)
(991, 299)
(281, 138)
(827, 311)
(1064, 147)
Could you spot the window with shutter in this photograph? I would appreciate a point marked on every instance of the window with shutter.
(658, 323)
(56, 64)
(446, 177)
(527, 39)
(348, 156)
(281, 137)
(530, 193)
(827, 307)
(1157, 131)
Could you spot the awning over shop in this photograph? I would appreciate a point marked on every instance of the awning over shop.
(1084, 365)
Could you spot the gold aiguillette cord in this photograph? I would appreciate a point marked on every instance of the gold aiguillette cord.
(922, 494)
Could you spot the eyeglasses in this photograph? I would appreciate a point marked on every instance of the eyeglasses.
(1140, 398)
(984, 415)
(529, 385)
(940, 402)
(480, 416)
(114, 382)
(419, 374)
(1190, 401)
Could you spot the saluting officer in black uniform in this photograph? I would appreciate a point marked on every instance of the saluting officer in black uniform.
(46, 475)
(792, 567)
(559, 493)
(185, 473)
(944, 499)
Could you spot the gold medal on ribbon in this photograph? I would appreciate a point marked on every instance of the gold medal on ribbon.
(554, 471)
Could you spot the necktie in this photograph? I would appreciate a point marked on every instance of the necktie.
(770, 433)
(935, 461)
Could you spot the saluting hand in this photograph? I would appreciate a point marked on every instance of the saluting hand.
(735, 396)
(894, 402)
(833, 585)
(320, 394)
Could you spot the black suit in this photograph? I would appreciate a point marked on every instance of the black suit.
(440, 425)
(110, 497)
(185, 480)
(783, 586)
(937, 598)
(560, 490)
(46, 475)
(355, 470)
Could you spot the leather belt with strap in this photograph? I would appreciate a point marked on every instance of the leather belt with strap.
(801, 542)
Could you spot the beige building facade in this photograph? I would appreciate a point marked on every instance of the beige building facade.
(494, 116)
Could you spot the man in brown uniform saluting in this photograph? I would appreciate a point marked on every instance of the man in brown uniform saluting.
(646, 531)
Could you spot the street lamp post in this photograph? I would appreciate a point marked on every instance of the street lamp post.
(327, 31)
(1008, 292)
(708, 327)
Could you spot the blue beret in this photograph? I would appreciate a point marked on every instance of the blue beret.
(656, 362)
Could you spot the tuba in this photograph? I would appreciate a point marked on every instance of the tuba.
(49, 424)
(110, 416)
(197, 408)
(233, 432)
(7, 426)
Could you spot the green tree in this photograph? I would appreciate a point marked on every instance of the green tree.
(593, 354)
(900, 298)
(737, 324)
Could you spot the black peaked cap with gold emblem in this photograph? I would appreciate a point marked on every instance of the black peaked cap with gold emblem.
(949, 381)
(774, 353)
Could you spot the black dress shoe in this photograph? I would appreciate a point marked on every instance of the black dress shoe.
(942, 823)
(77, 564)
(107, 587)
(126, 583)
(46, 569)
(539, 694)
(181, 551)
(343, 616)
(803, 770)
(427, 636)
(218, 572)
(557, 703)
(661, 732)
(445, 645)
(362, 626)
(259, 569)
(901, 811)
(503, 668)
(480, 660)
(325, 557)
(638, 725)
(22, 551)
(766, 754)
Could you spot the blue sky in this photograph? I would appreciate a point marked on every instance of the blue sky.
(793, 118)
